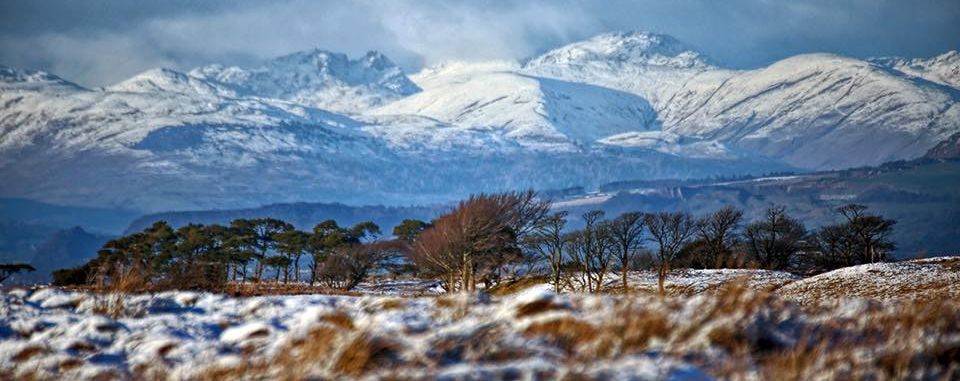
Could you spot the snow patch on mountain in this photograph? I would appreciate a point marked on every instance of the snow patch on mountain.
(670, 143)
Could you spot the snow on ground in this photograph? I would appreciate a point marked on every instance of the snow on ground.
(690, 281)
(59, 334)
(697, 332)
(918, 279)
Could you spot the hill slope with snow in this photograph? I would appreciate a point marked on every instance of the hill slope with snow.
(814, 111)
(943, 69)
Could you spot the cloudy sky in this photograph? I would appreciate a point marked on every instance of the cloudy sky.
(100, 42)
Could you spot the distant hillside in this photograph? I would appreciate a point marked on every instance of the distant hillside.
(947, 149)
(46, 248)
(111, 221)
(923, 195)
(19, 239)
(65, 248)
(302, 215)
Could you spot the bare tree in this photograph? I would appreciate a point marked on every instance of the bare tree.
(671, 231)
(718, 234)
(352, 264)
(436, 252)
(626, 232)
(590, 249)
(775, 240)
(548, 240)
(478, 238)
(835, 248)
(861, 238)
(871, 231)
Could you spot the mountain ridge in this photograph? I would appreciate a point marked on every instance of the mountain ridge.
(319, 126)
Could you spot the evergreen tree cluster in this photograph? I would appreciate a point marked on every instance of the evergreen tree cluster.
(248, 250)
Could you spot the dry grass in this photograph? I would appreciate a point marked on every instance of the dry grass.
(537, 307)
(514, 286)
(567, 333)
(731, 332)
(364, 353)
(338, 319)
(723, 332)
(29, 352)
(330, 351)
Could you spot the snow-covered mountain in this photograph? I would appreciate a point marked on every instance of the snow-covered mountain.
(538, 113)
(167, 140)
(319, 126)
(319, 79)
(817, 111)
(943, 69)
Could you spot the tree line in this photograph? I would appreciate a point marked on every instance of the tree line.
(482, 241)
(488, 236)
(212, 256)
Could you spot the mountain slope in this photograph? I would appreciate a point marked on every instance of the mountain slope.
(819, 112)
(653, 66)
(165, 140)
(943, 69)
(541, 114)
(814, 111)
(166, 80)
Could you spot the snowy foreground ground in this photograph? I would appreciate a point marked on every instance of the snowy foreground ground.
(869, 322)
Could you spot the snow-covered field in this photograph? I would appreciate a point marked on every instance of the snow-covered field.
(702, 331)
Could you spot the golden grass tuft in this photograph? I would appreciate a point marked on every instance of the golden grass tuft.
(338, 319)
(538, 307)
(363, 353)
(29, 352)
(567, 333)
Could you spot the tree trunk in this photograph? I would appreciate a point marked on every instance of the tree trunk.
(296, 268)
(260, 268)
(556, 276)
(661, 277)
(623, 279)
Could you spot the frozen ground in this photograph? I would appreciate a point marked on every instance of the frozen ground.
(928, 279)
(729, 332)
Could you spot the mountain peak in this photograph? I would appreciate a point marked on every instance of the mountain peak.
(168, 80)
(29, 79)
(632, 48)
(318, 78)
